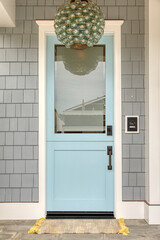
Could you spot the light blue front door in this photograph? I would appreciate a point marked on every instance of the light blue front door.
(78, 176)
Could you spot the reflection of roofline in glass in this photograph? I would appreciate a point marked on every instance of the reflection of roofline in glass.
(86, 103)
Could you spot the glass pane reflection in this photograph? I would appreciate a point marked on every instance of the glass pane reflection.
(80, 90)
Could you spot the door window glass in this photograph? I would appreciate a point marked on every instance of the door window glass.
(80, 90)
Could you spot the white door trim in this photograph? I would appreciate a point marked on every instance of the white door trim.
(36, 210)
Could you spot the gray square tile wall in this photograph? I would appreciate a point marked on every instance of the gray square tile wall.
(19, 101)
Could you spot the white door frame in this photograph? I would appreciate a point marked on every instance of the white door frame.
(130, 210)
(112, 27)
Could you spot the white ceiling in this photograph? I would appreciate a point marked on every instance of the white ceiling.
(7, 13)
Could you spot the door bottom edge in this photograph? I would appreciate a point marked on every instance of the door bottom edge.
(79, 215)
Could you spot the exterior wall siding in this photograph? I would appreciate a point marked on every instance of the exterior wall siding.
(19, 97)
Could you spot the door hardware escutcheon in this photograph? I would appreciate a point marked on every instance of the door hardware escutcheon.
(109, 130)
(109, 152)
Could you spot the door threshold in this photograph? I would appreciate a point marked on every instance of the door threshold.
(79, 215)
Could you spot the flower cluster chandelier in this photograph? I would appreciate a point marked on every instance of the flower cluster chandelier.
(79, 24)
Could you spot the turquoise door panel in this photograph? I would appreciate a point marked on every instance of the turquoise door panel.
(78, 178)
(77, 172)
(51, 135)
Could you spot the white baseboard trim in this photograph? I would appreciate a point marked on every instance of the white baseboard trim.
(24, 211)
(21, 211)
(130, 210)
(152, 213)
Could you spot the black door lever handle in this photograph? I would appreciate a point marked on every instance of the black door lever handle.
(109, 152)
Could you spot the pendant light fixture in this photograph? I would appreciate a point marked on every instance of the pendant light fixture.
(79, 24)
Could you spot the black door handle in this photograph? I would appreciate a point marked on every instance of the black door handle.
(109, 152)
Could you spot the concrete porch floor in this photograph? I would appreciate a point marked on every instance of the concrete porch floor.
(16, 229)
